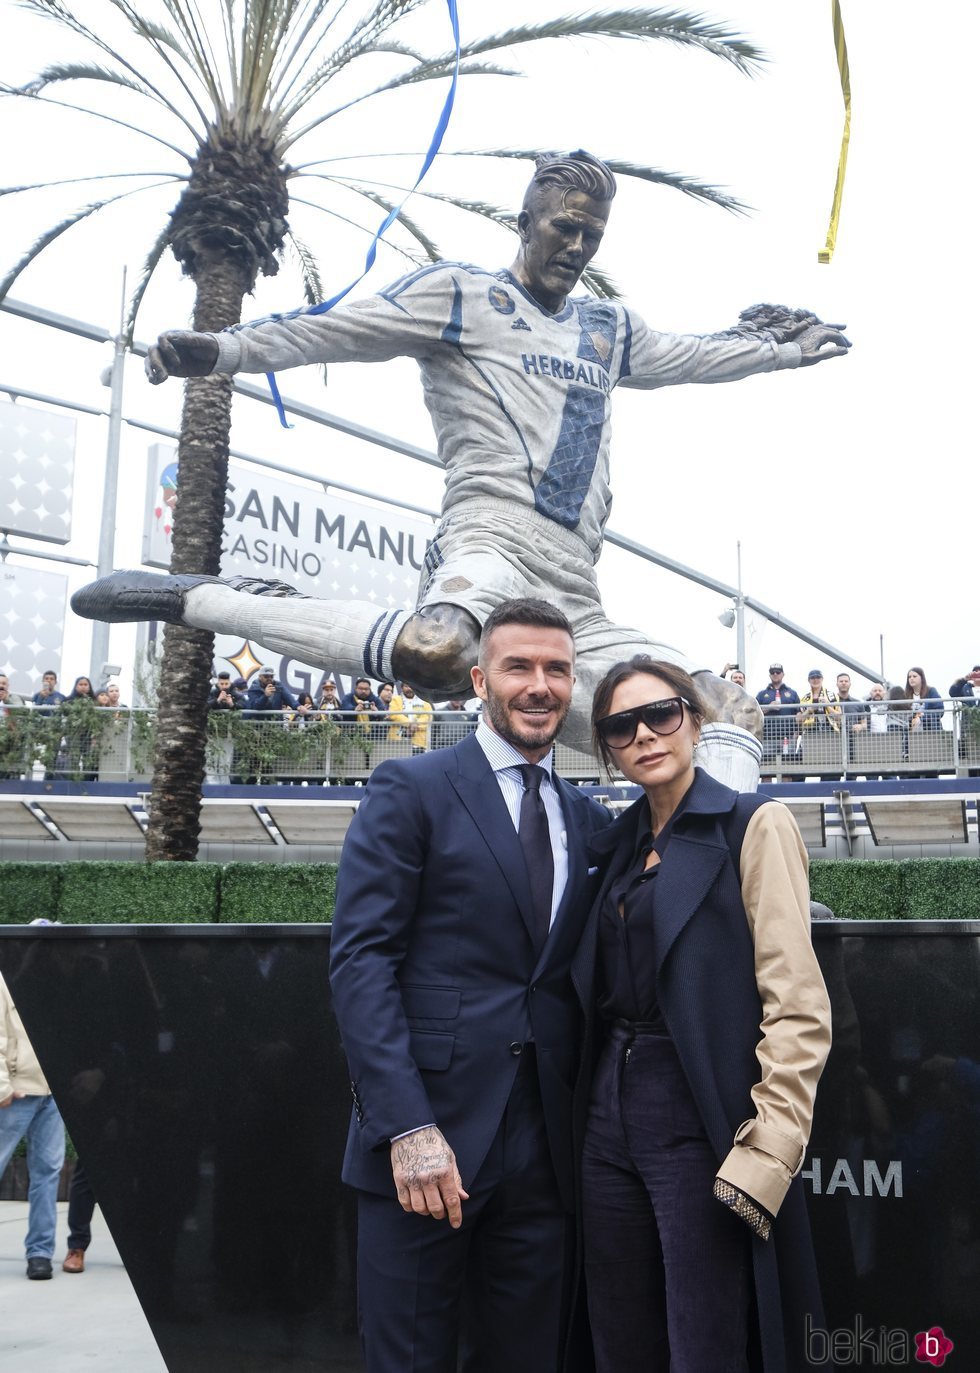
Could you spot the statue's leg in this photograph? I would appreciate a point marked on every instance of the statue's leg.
(433, 649)
(349, 637)
(729, 748)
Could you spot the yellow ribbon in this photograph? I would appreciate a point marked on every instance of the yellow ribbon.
(825, 253)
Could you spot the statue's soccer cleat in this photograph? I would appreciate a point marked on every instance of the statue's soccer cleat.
(124, 597)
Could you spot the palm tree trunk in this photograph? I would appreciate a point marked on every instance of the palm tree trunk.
(185, 675)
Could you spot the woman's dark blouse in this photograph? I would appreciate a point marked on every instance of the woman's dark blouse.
(627, 967)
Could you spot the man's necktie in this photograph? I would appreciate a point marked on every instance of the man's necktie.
(535, 837)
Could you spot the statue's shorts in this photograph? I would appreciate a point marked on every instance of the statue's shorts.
(490, 551)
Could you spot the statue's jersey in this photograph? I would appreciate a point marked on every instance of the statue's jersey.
(519, 398)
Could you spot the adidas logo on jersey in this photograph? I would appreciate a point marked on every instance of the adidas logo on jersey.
(521, 324)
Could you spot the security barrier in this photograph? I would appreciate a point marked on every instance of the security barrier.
(78, 742)
(894, 743)
(92, 744)
(214, 1133)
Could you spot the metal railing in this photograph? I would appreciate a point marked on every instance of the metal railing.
(78, 742)
(891, 742)
(88, 743)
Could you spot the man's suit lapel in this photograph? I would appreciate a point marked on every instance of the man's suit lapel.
(472, 778)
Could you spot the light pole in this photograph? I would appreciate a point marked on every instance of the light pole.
(107, 528)
(736, 617)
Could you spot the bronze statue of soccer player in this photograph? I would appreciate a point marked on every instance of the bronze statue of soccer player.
(518, 378)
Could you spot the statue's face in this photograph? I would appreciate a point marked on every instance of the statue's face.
(560, 233)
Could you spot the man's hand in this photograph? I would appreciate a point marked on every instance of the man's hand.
(426, 1177)
(821, 341)
(7, 1101)
(784, 324)
(181, 353)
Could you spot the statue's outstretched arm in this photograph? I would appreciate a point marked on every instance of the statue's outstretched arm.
(785, 324)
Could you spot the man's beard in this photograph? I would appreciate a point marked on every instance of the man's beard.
(502, 724)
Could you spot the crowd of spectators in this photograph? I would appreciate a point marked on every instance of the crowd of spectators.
(393, 713)
(789, 719)
(48, 697)
(387, 712)
(78, 719)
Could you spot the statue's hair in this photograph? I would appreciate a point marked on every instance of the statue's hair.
(575, 171)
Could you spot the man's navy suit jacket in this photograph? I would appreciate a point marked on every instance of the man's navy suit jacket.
(438, 981)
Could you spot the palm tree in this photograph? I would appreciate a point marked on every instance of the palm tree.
(229, 91)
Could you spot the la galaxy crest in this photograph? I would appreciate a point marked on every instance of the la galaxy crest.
(500, 300)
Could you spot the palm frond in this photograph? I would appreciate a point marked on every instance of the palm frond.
(388, 205)
(401, 50)
(62, 226)
(360, 42)
(597, 281)
(309, 268)
(671, 26)
(150, 264)
(677, 181)
(97, 114)
(80, 180)
(82, 71)
(496, 213)
(430, 71)
(175, 55)
(48, 237)
(309, 271)
(56, 10)
(414, 258)
(301, 53)
(689, 185)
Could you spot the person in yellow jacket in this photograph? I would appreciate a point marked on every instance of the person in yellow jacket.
(27, 1111)
(819, 708)
(411, 717)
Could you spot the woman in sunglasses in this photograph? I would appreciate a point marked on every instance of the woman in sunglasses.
(714, 1025)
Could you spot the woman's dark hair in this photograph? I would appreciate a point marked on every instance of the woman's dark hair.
(303, 698)
(680, 682)
(75, 694)
(924, 687)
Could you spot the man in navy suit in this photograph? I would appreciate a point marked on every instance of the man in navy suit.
(452, 939)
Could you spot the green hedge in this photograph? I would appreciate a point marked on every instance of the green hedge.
(941, 888)
(869, 890)
(140, 893)
(30, 891)
(269, 893)
(291, 893)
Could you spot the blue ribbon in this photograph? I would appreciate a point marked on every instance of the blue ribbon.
(389, 219)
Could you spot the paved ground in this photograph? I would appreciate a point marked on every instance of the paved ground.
(74, 1322)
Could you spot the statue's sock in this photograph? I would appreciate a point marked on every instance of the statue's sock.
(349, 637)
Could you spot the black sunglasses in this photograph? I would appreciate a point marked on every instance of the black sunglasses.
(662, 717)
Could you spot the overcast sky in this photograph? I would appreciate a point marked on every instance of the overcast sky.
(852, 486)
